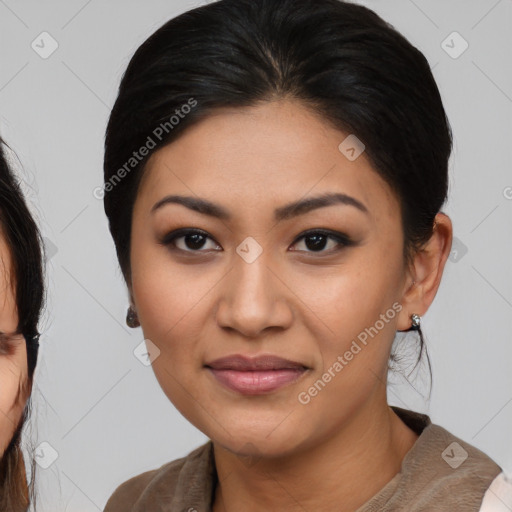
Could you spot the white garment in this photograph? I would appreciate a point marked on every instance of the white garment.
(498, 497)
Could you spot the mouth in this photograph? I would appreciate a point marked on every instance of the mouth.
(258, 375)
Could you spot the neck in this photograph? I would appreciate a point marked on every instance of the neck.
(342, 473)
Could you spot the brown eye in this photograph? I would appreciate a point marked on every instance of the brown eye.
(192, 240)
(8, 344)
(316, 241)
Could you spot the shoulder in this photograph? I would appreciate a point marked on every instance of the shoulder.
(130, 491)
(460, 458)
(135, 492)
(447, 455)
(445, 470)
(440, 472)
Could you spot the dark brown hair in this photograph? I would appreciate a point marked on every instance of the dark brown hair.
(26, 247)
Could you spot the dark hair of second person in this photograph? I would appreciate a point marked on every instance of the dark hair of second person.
(21, 251)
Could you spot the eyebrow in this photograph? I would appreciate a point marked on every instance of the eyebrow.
(288, 211)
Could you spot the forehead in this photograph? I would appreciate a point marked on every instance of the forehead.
(271, 153)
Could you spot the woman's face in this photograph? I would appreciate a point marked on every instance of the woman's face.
(253, 284)
(13, 354)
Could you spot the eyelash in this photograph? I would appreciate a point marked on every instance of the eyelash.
(343, 240)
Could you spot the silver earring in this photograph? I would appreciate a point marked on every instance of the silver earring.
(415, 320)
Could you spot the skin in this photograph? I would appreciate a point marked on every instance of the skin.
(204, 302)
(13, 354)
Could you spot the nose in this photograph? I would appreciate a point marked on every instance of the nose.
(254, 298)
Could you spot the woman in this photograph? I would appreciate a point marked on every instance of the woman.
(21, 290)
(274, 178)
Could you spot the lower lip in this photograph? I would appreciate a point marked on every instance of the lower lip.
(256, 382)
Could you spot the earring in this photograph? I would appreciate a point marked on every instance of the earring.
(131, 318)
(416, 320)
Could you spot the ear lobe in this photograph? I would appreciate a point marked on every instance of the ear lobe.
(426, 272)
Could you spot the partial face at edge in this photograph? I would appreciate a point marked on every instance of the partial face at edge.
(304, 299)
(13, 354)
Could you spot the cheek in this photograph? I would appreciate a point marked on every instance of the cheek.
(168, 298)
(356, 309)
(9, 384)
(351, 297)
(11, 406)
(171, 313)
(171, 303)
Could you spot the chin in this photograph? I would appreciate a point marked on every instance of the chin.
(254, 443)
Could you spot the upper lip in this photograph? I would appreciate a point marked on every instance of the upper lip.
(264, 362)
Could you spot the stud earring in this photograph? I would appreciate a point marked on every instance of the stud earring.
(131, 318)
(415, 320)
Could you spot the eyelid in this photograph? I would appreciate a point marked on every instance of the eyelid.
(336, 235)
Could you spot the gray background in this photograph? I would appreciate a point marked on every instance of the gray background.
(95, 404)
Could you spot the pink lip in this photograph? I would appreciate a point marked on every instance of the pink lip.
(263, 362)
(255, 382)
(253, 376)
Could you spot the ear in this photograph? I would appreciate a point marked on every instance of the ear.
(424, 275)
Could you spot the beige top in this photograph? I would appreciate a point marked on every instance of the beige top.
(439, 473)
